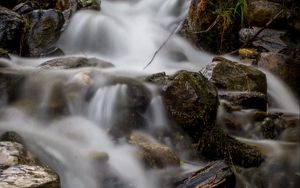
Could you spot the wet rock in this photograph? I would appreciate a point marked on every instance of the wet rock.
(12, 153)
(138, 95)
(24, 176)
(74, 62)
(191, 100)
(246, 100)
(215, 144)
(286, 67)
(11, 28)
(232, 76)
(248, 53)
(213, 25)
(89, 4)
(268, 39)
(261, 12)
(159, 78)
(215, 174)
(43, 31)
(153, 154)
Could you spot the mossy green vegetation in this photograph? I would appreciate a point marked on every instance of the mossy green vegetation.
(213, 25)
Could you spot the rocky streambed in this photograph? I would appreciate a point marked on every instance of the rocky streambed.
(78, 120)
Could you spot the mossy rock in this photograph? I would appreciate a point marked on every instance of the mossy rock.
(191, 100)
(43, 30)
(213, 25)
(232, 76)
(11, 28)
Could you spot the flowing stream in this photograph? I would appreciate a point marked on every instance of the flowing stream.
(126, 33)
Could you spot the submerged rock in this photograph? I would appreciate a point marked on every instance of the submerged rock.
(153, 154)
(11, 28)
(44, 29)
(25, 176)
(75, 62)
(215, 174)
(232, 76)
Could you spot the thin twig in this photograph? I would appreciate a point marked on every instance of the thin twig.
(164, 43)
(209, 28)
(259, 31)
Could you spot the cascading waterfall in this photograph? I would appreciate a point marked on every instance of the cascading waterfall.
(278, 91)
(103, 106)
(126, 33)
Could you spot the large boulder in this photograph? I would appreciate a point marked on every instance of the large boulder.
(232, 76)
(11, 28)
(43, 31)
(191, 100)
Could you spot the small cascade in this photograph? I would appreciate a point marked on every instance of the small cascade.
(105, 103)
(74, 146)
(281, 96)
